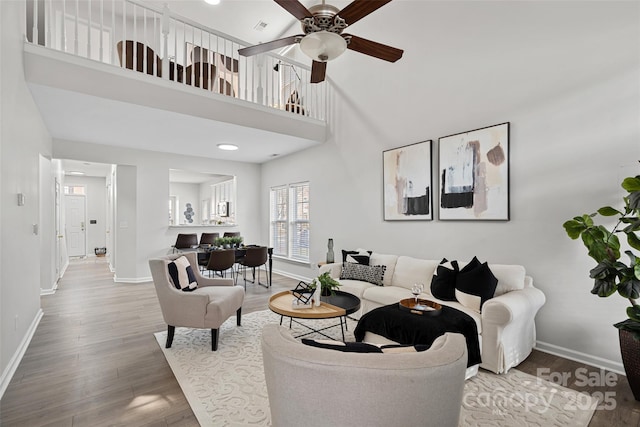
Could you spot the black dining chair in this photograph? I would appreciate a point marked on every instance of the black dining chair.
(231, 234)
(220, 261)
(186, 241)
(208, 238)
(255, 257)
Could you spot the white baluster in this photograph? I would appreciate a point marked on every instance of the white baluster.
(101, 30)
(165, 38)
(89, 29)
(34, 31)
(75, 42)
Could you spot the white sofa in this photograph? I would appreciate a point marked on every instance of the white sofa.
(506, 323)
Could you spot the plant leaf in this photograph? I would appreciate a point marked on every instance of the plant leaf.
(634, 200)
(629, 288)
(634, 313)
(631, 184)
(574, 228)
(609, 211)
(603, 288)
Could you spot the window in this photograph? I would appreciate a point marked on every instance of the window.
(74, 189)
(289, 221)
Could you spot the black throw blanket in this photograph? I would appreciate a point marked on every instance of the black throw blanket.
(409, 328)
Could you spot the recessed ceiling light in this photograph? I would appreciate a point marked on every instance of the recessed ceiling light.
(227, 147)
(74, 173)
(213, 2)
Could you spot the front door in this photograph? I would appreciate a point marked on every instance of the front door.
(75, 213)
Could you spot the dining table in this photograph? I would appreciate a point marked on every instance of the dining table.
(204, 250)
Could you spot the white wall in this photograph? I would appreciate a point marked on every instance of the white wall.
(23, 138)
(187, 193)
(564, 74)
(96, 194)
(153, 236)
(46, 227)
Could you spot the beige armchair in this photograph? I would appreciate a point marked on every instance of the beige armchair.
(206, 307)
(310, 386)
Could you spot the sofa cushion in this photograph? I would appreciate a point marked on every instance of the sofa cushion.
(386, 294)
(367, 273)
(355, 287)
(388, 261)
(443, 283)
(475, 284)
(182, 275)
(410, 270)
(510, 277)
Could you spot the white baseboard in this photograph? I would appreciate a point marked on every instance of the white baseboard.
(132, 279)
(51, 290)
(577, 356)
(17, 356)
(292, 276)
(64, 268)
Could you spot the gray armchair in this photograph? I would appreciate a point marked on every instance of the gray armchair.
(310, 386)
(207, 307)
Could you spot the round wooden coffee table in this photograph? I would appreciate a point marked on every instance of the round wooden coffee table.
(339, 305)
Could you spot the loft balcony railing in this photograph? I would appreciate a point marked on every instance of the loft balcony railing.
(162, 44)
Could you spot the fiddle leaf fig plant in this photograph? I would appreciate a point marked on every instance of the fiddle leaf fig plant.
(613, 273)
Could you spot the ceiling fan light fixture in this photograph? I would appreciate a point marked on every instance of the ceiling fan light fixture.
(323, 46)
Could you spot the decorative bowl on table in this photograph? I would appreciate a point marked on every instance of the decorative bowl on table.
(421, 306)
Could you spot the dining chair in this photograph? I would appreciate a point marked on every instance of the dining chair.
(255, 257)
(231, 234)
(140, 50)
(208, 238)
(186, 241)
(220, 261)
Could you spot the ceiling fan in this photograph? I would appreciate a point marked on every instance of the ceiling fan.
(323, 39)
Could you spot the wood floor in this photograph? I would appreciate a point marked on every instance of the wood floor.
(95, 362)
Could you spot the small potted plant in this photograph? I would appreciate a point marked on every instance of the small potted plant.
(328, 284)
(235, 241)
(612, 274)
(223, 242)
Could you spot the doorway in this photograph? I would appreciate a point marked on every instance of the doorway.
(75, 214)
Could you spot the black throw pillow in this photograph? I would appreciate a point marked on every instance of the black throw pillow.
(475, 285)
(356, 257)
(443, 283)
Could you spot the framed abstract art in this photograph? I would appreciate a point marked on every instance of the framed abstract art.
(407, 184)
(474, 174)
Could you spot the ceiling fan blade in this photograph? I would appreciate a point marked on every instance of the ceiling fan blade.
(318, 71)
(265, 47)
(374, 49)
(358, 9)
(295, 8)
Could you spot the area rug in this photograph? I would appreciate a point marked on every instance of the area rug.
(227, 388)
